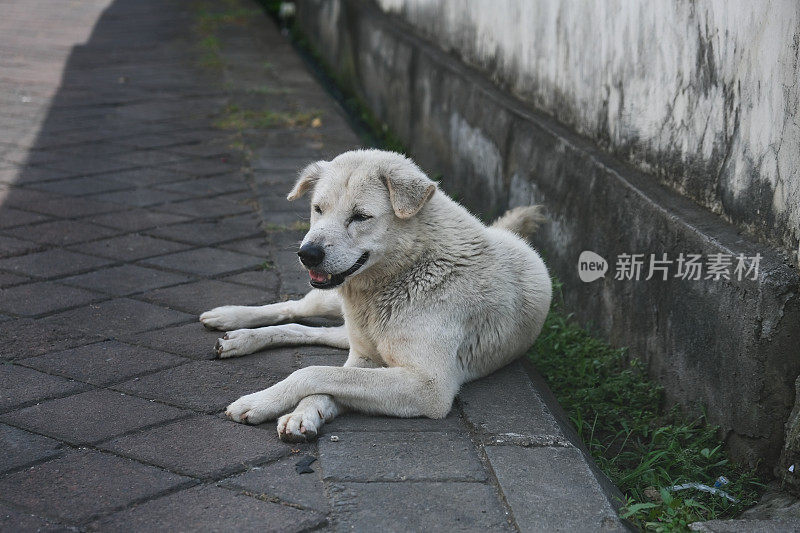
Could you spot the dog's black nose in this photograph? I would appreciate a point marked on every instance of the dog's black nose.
(311, 254)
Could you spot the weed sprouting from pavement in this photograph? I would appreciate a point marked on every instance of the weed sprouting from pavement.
(642, 446)
(235, 118)
(208, 22)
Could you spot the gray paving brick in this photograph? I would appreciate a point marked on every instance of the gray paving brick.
(350, 422)
(400, 456)
(142, 177)
(137, 219)
(91, 416)
(26, 198)
(61, 232)
(51, 263)
(7, 279)
(280, 480)
(211, 509)
(21, 386)
(78, 486)
(211, 232)
(139, 197)
(12, 519)
(83, 166)
(26, 337)
(122, 315)
(422, 506)
(86, 150)
(148, 158)
(188, 340)
(218, 206)
(10, 217)
(31, 174)
(217, 148)
(210, 386)
(130, 247)
(199, 167)
(22, 447)
(154, 140)
(204, 261)
(34, 299)
(294, 278)
(81, 186)
(492, 403)
(212, 186)
(104, 362)
(10, 246)
(319, 355)
(551, 489)
(204, 446)
(203, 295)
(71, 207)
(125, 279)
(258, 247)
(266, 279)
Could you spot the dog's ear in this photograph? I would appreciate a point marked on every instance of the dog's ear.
(409, 189)
(307, 178)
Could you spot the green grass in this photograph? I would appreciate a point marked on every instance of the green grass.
(208, 21)
(210, 57)
(235, 118)
(640, 444)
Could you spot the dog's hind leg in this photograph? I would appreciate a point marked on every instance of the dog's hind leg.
(245, 341)
(323, 303)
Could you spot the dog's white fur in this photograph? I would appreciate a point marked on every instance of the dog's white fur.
(442, 299)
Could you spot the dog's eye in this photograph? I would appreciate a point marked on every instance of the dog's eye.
(359, 217)
(317, 209)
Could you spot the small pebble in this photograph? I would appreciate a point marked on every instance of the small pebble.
(334, 438)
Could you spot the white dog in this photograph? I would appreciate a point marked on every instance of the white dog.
(431, 298)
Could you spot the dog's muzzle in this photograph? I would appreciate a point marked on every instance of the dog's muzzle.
(329, 281)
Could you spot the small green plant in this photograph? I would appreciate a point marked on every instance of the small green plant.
(210, 52)
(207, 22)
(642, 446)
(267, 265)
(235, 118)
(267, 90)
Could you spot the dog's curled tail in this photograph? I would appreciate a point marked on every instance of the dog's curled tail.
(522, 220)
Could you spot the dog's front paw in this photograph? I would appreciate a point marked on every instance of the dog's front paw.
(227, 317)
(236, 343)
(255, 408)
(300, 426)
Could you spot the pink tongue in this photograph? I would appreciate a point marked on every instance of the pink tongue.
(317, 276)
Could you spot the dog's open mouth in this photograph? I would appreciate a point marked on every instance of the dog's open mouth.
(320, 280)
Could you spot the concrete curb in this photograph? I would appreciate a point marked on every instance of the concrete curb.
(545, 473)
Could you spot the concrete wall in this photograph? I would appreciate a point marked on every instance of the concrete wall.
(702, 94)
(730, 346)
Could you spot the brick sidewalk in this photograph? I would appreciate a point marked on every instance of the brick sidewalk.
(125, 213)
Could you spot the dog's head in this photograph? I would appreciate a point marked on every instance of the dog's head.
(360, 204)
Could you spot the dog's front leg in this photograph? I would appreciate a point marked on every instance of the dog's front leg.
(245, 341)
(315, 303)
(395, 391)
(313, 411)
